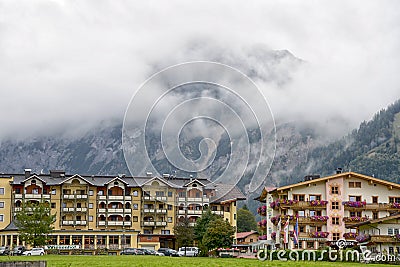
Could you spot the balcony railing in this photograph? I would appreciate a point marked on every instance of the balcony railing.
(161, 223)
(383, 239)
(31, 196)
(194, 199)
(74, 209)
(181, 212)
(120, 198)
(161, 211)
(119, 210)
(74, 222)
(118, 223)
(149, 223)
(148, 210)
(194, 212)
(68, 196)
(218, 212)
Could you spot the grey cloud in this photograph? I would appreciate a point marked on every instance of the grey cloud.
(66, 66)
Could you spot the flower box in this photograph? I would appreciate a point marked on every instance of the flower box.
(318, 203)
(350, 235)
(319, 218)
(355, 219)
(363, 238)
(262, 210)
(354, 204)
(319, 234)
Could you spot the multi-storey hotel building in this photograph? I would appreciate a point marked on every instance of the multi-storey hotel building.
(113, 212)
(328, 209)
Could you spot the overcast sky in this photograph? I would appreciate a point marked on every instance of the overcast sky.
(67, 65)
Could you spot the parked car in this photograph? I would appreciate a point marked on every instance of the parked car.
(34, 252)
(156, 253)
(18, 250)
(4, 250)
(145, 251)
(168, 252)
(131, 251)
(190, 251)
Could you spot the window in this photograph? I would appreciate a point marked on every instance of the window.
(391, 250)
(135, 206)
(90, 192)
(319, 228)
(1, 218)
(165, 232)
(335, 236)
(90, 218)
(315, 213)
(354, 184)
(315, 197)
(79, 205)
(335, 220)
(169, 219)
(90, 205)
(355, 198)
(335, 205)
(135, 193)
(64, 205)
(334, 190)
(375, 215)
(2, 191)
(301, 213)
(182, 194)
(53, 205)
(159, 193)
(135, 219)
(355, 214)
(310, 244)
(1, 205)
(301, 229)
(391, 199)
(169, 194)
(396, 231)
(375, 200)
(53, 191)
(169, 207)
(100, 193)
(234, 216)
(299, 197)
(390, 231)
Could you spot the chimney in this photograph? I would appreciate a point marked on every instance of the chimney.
(339, 170)
(149, 174)
(57, 173)
(28, 172)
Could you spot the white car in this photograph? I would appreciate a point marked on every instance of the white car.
(190, 251)
(34, 252)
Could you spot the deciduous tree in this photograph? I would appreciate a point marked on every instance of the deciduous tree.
(34, 223)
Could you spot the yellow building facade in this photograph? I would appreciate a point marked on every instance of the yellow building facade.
(110, 213)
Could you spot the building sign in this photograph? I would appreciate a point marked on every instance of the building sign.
(62, 247)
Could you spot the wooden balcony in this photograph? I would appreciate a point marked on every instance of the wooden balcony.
(308, 220)
(302, 205)
(384, 239)
(380, 206)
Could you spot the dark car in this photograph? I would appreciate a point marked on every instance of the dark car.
(18, 250)
(131, 251)
(145, 251)
(4, 250)
(168, 252)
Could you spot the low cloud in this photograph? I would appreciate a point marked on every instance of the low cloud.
(66, 66)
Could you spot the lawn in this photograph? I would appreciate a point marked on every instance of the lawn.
(146, 261)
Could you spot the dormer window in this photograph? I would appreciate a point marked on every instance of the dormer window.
(33, 182)
(194, 185)
(115, 183)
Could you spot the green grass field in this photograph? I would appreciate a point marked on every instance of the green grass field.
(147, 261)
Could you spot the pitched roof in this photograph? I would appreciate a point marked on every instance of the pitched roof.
(245, 234)
(227, 192)
(348, 174)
